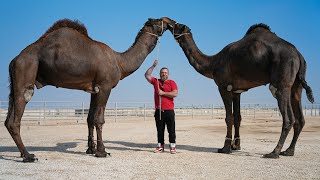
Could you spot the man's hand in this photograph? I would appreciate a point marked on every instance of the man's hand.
(148, 73)
(160, 92)
(155, 63)
(171, 94)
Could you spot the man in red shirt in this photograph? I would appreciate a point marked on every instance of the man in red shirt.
(164, 92)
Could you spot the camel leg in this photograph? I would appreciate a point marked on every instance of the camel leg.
(13, 124)
(284, 103)
(237, 121)
(299, 121)
(90, 122)
(227, 100)
(99, 105)
(23, 75)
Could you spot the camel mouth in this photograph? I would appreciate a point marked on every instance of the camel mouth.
(170, 23)
(176, 28)
(156, 27)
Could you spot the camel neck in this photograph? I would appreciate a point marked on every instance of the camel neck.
(130, 60)
(201, 62)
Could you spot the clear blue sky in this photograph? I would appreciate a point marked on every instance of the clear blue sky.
(116, 23)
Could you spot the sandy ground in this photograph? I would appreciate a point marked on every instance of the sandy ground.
(61, 152)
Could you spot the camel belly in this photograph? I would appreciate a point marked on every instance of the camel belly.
(245, 84)
(80, 83)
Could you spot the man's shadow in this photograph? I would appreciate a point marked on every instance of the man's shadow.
(149, 147)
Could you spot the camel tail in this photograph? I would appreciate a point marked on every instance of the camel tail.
(308, 91)
(11, 95)
(302, 75)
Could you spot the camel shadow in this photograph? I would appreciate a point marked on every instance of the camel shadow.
(112, 145)
(60, 147)
(245, 153)
(149, 147)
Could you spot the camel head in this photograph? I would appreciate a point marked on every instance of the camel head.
(176, 28)
(155, 27)
(169, 22)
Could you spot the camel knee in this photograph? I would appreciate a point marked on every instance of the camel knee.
(287, 126)
(6, 124)
(237, 123)
(302, 124)
(12, 127)
(229, 121)
(299, 125)
(99, 120)
(9, 124)
(237, 118)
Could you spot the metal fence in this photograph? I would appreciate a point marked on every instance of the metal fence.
(46, 111)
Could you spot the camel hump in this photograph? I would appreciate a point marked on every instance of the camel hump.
(76, 25)
(255, 26)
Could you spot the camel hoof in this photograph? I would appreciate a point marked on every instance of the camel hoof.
(102, 154)
(29, 158)
(225, 150)
(271, 155)
(287, 153)
(91, 151)
(234, 147)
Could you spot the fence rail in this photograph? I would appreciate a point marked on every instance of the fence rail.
(44, 111)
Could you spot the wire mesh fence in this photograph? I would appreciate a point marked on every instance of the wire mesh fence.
(45, 111)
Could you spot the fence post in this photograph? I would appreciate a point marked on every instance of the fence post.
(0, 111)
(212, 110)
(82, 111)
(254, 111)
(144, 105)
(116, 110)
(192, 110)
(44, 110)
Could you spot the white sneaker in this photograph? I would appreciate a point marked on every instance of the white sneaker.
(173, 149)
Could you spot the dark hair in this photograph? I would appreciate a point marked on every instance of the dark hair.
(164, 68)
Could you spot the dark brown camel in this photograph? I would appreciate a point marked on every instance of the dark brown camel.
(65, 56)
(259, 58)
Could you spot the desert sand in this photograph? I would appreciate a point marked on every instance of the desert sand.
(60, 149)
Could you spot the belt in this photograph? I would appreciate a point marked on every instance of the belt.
(165, 110)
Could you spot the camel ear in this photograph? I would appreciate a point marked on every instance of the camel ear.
(180, 26)
(187, 29)
(148, 23)
(151, 21)
(184, 28)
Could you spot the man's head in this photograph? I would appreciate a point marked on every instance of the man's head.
(164, 74)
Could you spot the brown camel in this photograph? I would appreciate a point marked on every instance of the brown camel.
(259, 58)
(65, 56)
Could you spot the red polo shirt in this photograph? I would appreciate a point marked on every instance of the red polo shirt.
(168, 86)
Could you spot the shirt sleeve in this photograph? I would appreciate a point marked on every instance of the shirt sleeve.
(153, 80)
(174, 85)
